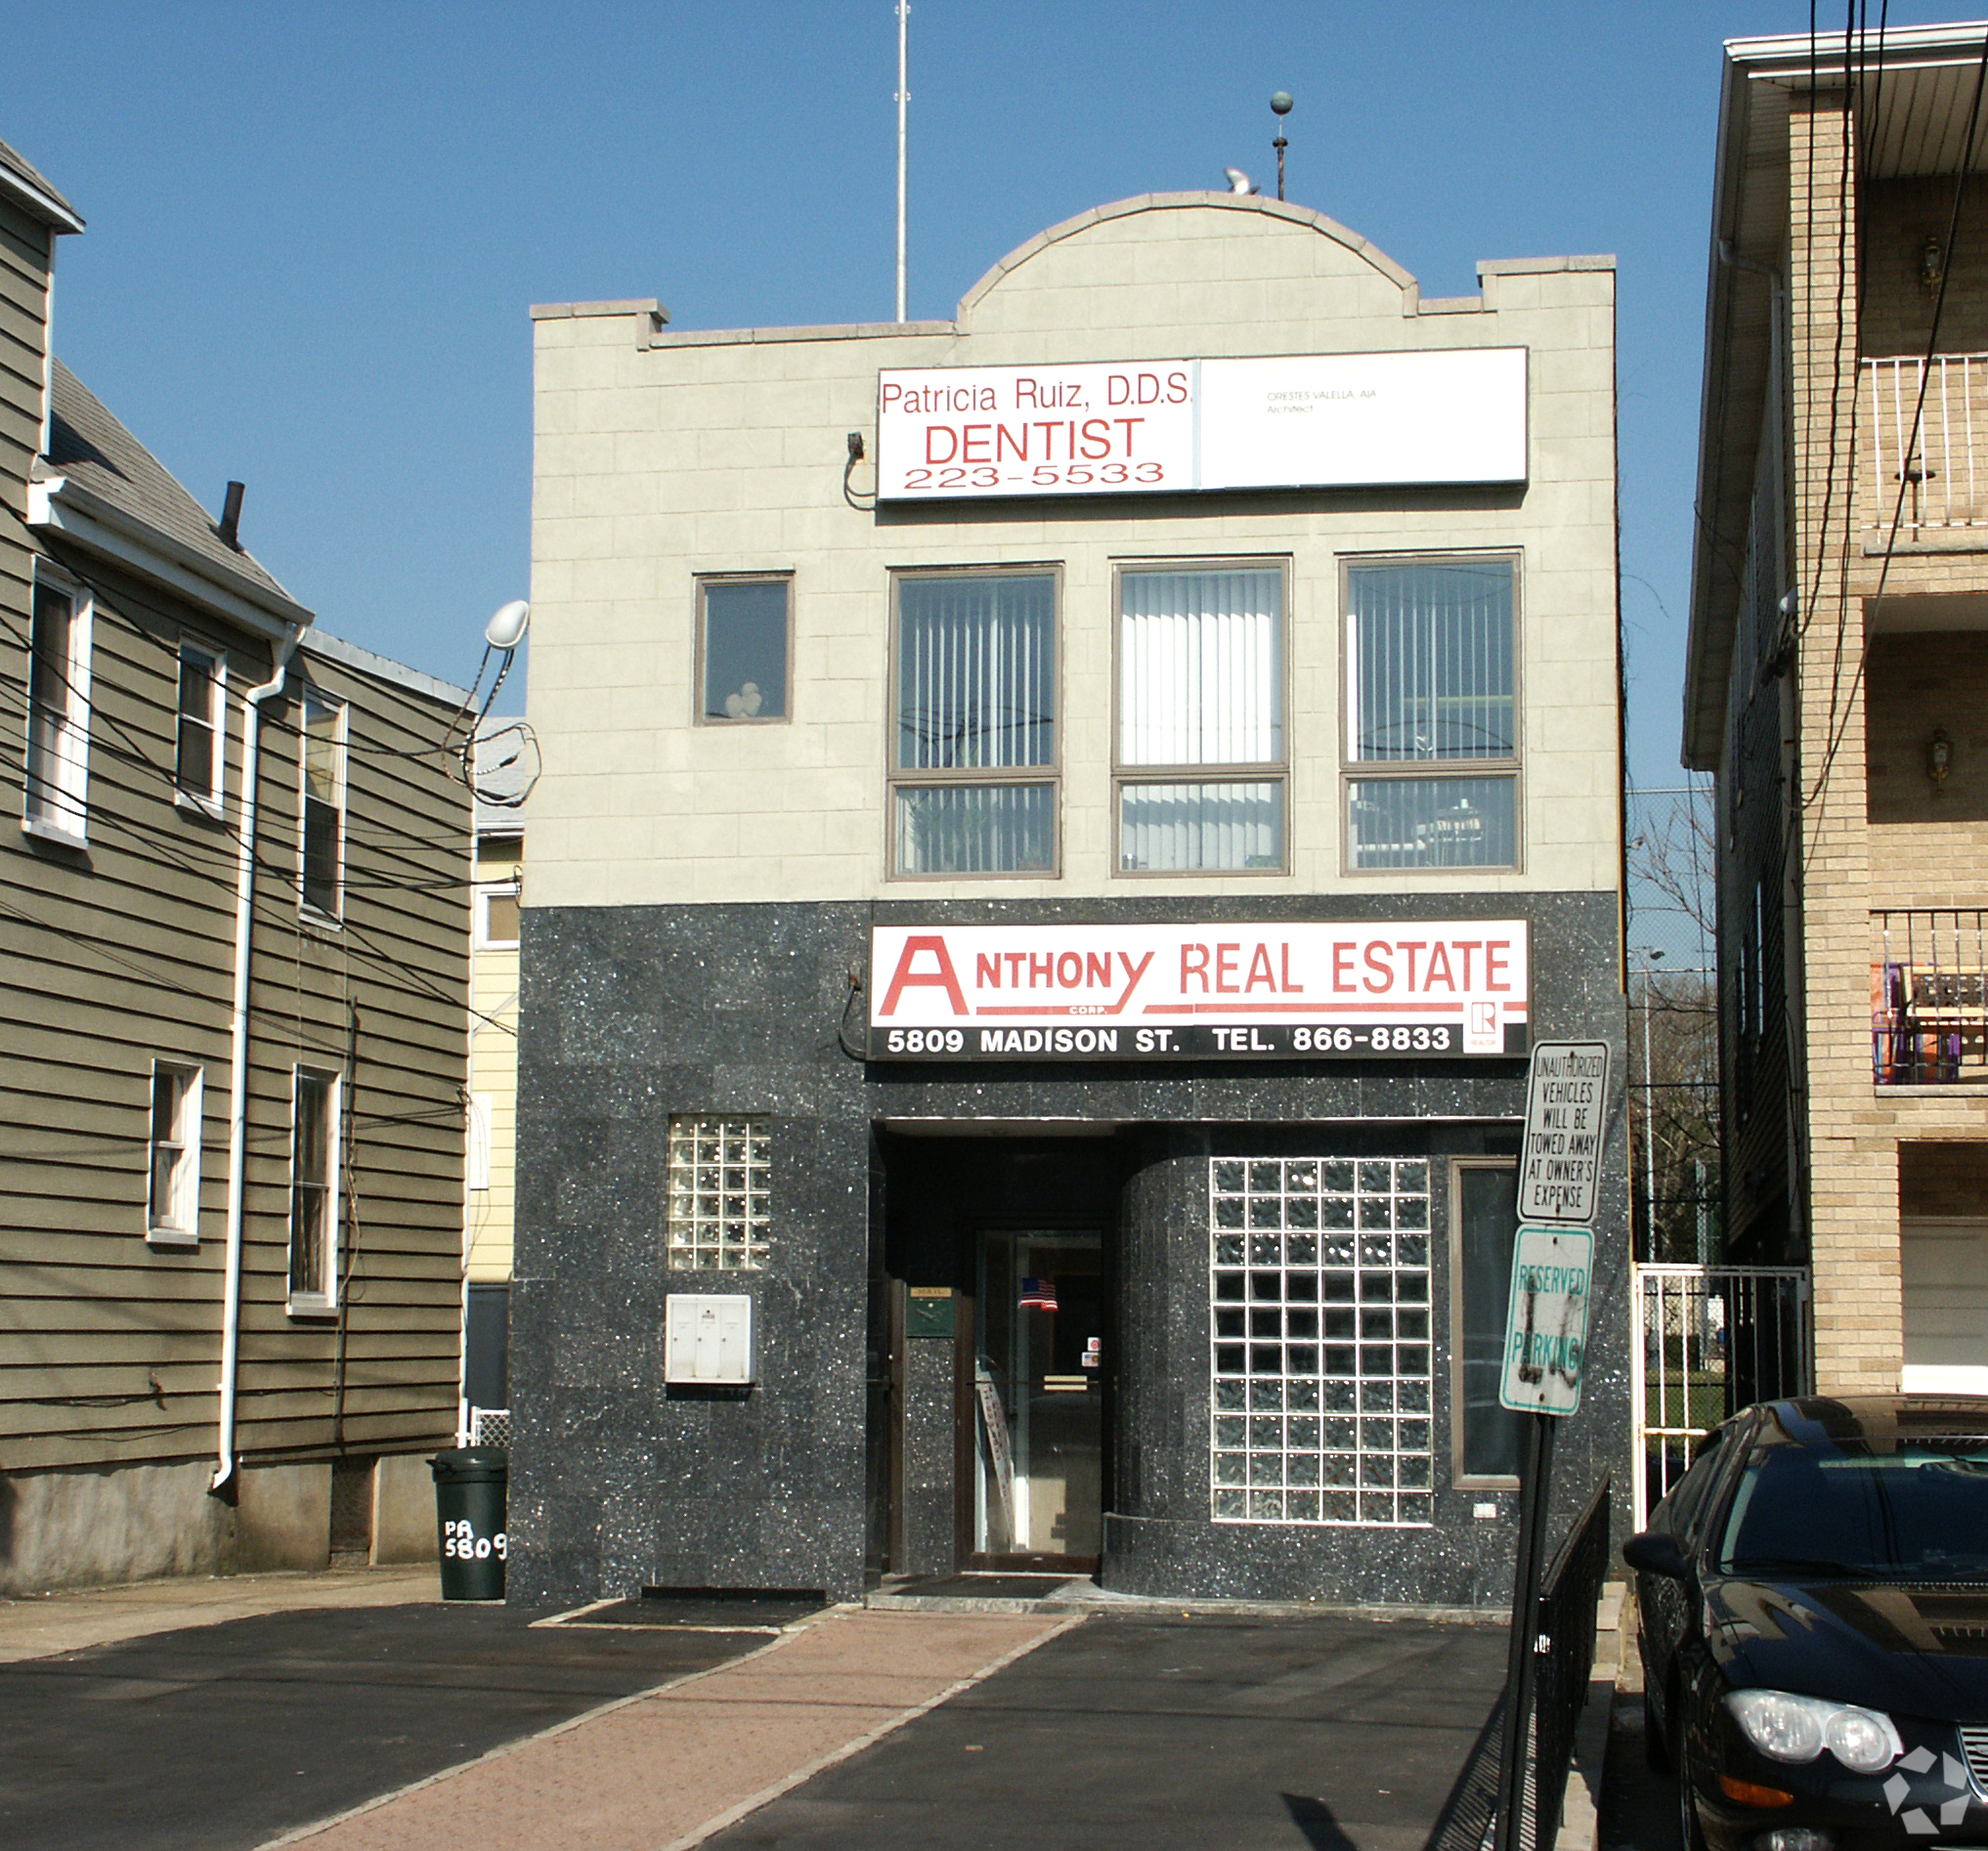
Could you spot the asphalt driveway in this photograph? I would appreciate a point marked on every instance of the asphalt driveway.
(222, 1737)
(1201, 1734)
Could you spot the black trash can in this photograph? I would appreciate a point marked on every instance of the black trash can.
(470, 1507)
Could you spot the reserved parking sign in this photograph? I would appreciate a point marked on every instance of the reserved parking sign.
(1546, 1323)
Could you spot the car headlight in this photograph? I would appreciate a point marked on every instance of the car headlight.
(1785, 1727)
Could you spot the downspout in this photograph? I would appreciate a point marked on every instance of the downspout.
(224, 1483)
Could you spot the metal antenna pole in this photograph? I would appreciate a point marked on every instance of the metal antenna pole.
(1281, 106)
(903, 97)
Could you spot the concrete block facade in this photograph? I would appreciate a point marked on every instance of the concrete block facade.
(699, 904)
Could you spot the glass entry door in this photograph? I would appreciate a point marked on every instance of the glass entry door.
(1038, 1397)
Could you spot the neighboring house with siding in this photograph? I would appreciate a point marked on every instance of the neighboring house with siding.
(492, 1086)
(230, 1221)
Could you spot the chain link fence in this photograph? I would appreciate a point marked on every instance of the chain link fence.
(1674, 1102)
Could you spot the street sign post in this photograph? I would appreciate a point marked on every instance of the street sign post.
(1567, 1095)
(1566, 1101)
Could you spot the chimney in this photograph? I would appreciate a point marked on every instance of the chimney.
(230, 516)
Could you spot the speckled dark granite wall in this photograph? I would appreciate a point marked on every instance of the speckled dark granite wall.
(631, 1014)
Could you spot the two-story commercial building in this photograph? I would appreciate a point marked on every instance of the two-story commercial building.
(1059, 828)
(1837, 665)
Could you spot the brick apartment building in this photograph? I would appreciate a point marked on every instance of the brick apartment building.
(1837, 667)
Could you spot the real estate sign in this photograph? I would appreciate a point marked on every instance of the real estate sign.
(1205, 990)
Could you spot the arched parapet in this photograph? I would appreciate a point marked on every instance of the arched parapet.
(1253, 249)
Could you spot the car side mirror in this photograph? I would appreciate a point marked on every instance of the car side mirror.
(1655, 1552)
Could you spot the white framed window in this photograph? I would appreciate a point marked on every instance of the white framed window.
(1201, 756)
(314, 1109)
(1319, 1290)
(1432, 704)
(745, 641)
(496, 917)
(479, 1124)
(172, 1208)
(322, 798)
(721, 1183)
(974, 718)
(57, 764)
(201, 744)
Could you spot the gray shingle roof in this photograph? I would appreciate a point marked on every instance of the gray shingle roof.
(90, 446)
(20, 168)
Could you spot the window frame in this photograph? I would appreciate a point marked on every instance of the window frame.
(180, 1225)
(207, 802)
(1356, 770)
(487, 891)
(732, 1247)
(322, 1301)
(1236, 1368)
(1278, 772)
(56, 778)
(313, 698)
(704, 581)
(1050, 774)
(1459, 1478)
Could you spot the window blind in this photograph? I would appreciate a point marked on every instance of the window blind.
(1433, 659)
(976, 673)
(1201, 667)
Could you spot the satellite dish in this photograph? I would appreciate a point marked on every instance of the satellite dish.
(506, 629)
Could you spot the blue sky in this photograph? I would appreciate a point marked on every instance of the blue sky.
(314, 233)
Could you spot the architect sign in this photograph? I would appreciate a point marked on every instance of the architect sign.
(1211, 990)
(1567, 1098)
(1547, 1320)
(1169, 426)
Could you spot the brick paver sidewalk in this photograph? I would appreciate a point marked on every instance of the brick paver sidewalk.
(663, 1770)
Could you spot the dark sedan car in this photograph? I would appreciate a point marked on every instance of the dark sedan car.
(1813, 1599)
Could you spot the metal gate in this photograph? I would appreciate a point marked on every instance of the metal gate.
(1711, 1341)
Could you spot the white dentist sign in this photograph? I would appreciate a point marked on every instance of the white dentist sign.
(1168, 427)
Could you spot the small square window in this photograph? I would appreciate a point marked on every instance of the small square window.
(745, 642)
(201, 746)
(720, 1185)
(172, 1212)
(496, 918)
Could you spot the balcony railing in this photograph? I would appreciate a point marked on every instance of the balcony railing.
(1930, 452)
(1929, 997)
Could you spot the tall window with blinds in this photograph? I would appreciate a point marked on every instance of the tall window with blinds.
(1432, 705)
(1201, 756)
(973, 757)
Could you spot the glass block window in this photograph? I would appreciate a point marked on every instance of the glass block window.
(721, 1171)
(1319, 1339)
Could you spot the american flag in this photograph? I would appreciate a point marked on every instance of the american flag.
(1039, 1295)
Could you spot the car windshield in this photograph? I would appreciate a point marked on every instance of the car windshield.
(1899, 1508)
